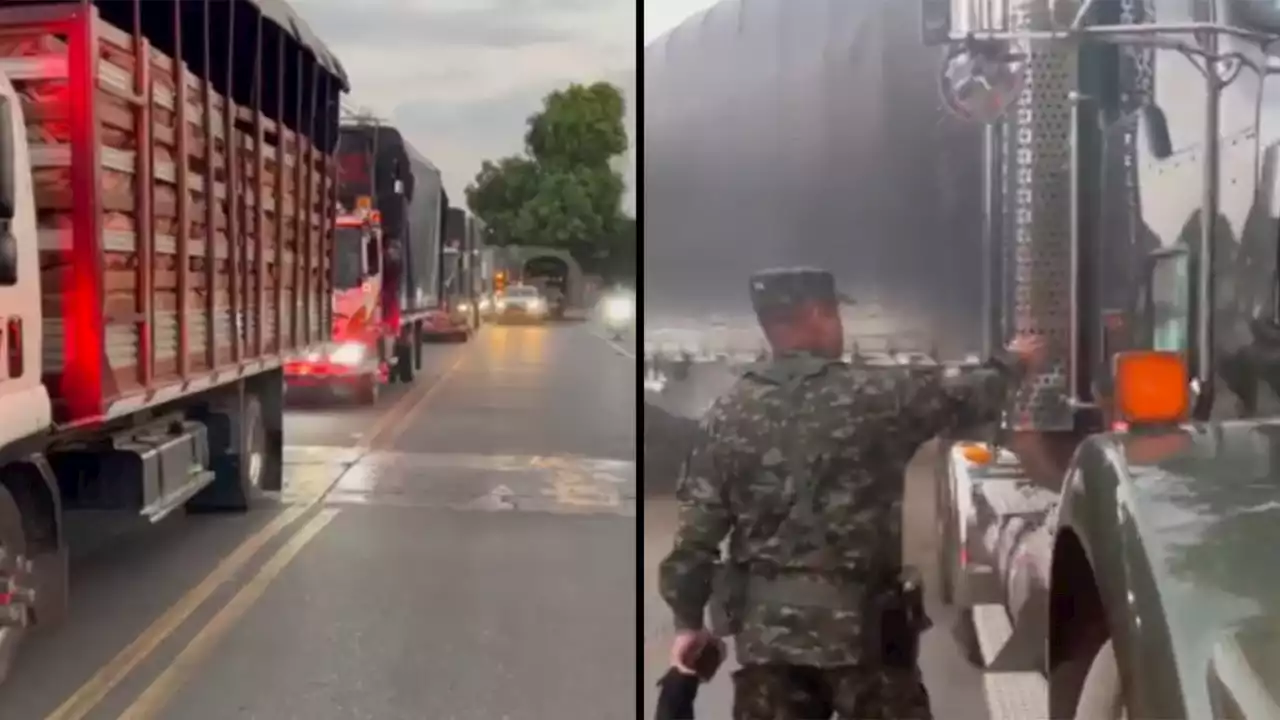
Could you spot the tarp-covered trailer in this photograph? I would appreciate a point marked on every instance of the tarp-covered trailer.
(167, 193)
(452, 316)
(407, 191)
(781, 133)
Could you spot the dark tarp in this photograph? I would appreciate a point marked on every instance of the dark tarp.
(284, 16)
(415, 222)
(779, 132)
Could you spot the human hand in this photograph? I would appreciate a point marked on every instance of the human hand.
(685, 649)
(1031, 349)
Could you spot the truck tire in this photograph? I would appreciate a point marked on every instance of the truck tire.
(1102, 697)
(240, 467)
(405, 361)
(13, 541)
(367, 390)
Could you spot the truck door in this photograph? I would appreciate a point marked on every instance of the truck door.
(24, 402)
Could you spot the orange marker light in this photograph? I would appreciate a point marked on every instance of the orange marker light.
(1152, 387)
(977, 453)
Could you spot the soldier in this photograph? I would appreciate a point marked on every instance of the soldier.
(804, 460)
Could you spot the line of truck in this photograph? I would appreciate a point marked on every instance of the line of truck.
(175, 221)
(405, 266)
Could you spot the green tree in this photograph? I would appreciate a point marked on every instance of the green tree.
(563, 191)
(499, 194)
(580, 126)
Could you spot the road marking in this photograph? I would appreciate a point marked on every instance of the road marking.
(388, 418)
(616, 347)
(306, 493)
(394, 432)
(572, 487)
(153, 700)
(87, 697)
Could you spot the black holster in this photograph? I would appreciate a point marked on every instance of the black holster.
(728, 599)
(902, 621)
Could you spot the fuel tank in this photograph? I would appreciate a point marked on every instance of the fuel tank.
(810, 133)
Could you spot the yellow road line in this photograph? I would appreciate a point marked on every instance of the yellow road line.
(388, 436)
(153, 700)
(87, 697)
(386, 419)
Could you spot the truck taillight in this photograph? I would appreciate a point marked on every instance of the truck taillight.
(13, 333)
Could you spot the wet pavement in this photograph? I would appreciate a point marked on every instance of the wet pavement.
(427, 558)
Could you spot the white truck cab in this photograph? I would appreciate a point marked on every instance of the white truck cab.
(25, 407)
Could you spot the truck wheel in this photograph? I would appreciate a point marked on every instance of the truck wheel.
(404, 362)
(242, 468)
(13, 541)
(1102, 697)
(367, 390)
(418, 340)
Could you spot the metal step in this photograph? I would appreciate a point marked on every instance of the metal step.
(1016, 695)
(1016, 497)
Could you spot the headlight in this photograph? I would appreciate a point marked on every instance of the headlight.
(464, 307)
(537, 305)
(618, 309)
(485, 304)
(502, 304)
(347, 354)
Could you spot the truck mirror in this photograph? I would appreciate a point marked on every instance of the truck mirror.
(8, 257)
(935, 22)
(1156, 127)
(7, 159)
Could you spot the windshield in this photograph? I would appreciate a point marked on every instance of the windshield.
(522, 292)
(348, 249)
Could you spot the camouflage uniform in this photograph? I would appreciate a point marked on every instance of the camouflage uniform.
(801, 464)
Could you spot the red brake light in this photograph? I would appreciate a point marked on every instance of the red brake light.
(15, 360)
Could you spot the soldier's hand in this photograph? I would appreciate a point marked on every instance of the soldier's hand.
(686, 647)
(1031, 349)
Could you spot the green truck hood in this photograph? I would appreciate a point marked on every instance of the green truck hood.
(1205, 501)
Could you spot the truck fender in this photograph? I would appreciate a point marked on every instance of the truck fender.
(1101, 570)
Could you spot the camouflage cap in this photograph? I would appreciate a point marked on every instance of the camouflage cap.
(780, 289)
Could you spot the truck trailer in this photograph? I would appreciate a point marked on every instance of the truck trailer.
(453, 315)
(800, 133)
(397, 196)
(166, 196)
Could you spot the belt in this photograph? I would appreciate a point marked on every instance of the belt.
(805, 592)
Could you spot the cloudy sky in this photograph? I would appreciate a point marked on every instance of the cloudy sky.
(459, 77)
(662, 15)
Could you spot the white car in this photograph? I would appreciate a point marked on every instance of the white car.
(521, 303)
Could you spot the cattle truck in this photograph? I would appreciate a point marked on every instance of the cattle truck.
(474, 271)
(166, 195)
(452, 316)
(385, 263)
(1111, 540)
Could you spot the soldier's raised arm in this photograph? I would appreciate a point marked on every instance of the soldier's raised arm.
(936, 400)
(684, 576)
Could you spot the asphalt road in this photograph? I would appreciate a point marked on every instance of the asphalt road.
(464, 549)
(955, 687)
